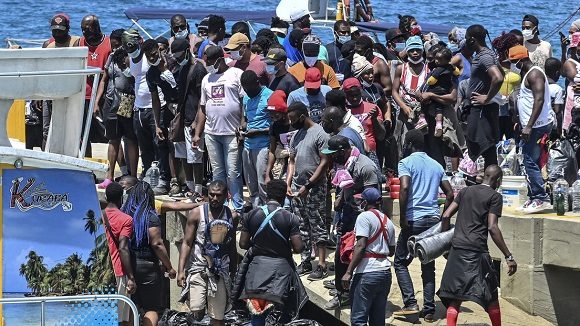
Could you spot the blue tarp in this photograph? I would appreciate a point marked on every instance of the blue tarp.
(382, 27)
(263, 17)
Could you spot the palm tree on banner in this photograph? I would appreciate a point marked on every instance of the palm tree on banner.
(33, 271)
(91, 223)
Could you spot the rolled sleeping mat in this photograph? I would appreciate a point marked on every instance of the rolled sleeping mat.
(411, 243)
(430, 248)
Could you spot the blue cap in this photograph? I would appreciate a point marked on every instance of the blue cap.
(371, 195)
(414, 42)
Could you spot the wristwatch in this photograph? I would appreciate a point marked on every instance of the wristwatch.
(510, 258)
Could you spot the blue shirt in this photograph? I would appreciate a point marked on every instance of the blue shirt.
(293, 54)
(315, 103)
(426, 176)
(202, 46)
(354, 138)
(257, 116)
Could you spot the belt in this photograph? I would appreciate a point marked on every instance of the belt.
(141, 109)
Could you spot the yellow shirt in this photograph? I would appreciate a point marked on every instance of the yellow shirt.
(158, 204)
(511, 81)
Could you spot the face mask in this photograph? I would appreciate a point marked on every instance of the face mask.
(184, 61)
(298, 124)
(135, 53)
(416, 61)
(514, 68)
(213, 69)
(156, 62)
(528, 34)
(236, 55)
(310, 61)
(271, 69)
(127, 72)
(59, 37)
(343, 39)
(399, 47)
(181, 34)
(365, 84)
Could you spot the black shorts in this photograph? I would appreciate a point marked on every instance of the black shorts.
(119, 127)
(149, 294)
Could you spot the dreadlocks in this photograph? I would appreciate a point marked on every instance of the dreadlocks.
(503, 43)
(140, 205)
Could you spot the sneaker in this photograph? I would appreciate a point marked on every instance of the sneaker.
(160, 191)
(330, 266)
(438, 129)
(525, 205)
(427, 317)
(421, 124)
(318, 274)
(407, 310)
(329, 284)
(304, 268)
(333, 292)
(538, 206)
(105, 183)
(337, 302)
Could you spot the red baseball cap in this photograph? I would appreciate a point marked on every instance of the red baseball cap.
(277, 102)
(313, 78)
(350, 83)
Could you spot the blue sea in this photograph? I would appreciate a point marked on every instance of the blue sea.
(59, 314)
(30, 19)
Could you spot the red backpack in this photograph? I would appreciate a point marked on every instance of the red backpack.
(348, 240)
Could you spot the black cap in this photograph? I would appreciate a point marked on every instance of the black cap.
(60, 21)
(393, 33)
(214, 52)
(179, 45)
(162, 40)
(274, 56)
(336, 143)
(532, 19)
(347, 48)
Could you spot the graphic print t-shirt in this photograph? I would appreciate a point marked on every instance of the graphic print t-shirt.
(221, 94)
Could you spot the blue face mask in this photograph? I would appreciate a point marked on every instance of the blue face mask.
(280, 39)
(343, 39)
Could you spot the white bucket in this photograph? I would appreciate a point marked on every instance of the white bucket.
(514, 190)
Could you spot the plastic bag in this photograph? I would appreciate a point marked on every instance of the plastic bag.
(562, 161)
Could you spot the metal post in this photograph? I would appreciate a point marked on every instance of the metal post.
(141, 28)
(89, 115)
(42, 321)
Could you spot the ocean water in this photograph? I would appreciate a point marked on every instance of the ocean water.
(59, 314)
(30, 19)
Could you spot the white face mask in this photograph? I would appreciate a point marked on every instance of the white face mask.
(528, 34)
(181, 34)
(416, 61)
(127, 72)
(135, 53)
(236, 55)
(212, 69)
(184, 61)
(310, 61)
(156, 62)
(514, 68)
(271, 69)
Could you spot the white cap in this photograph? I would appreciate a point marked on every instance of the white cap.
(296, 13)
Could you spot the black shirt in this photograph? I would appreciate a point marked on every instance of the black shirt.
(286, 83)
(334, 55)
(282, 132)
(154, 80)
(373, 94)
(268, 243)
(475, 203)
(144, 251)
(193, 95)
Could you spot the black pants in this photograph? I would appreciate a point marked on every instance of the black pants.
(434, 145)
(151, 147)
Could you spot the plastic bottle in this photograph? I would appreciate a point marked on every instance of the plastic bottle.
(152, 175)
(457, 183)
(561, 187)
(575, 194)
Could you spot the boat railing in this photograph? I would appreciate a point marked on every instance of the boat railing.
(106, 298)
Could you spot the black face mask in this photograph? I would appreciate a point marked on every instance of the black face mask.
(59, 37)
(298, 124)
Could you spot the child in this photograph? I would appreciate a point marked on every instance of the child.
(553, 67)
(440, 82)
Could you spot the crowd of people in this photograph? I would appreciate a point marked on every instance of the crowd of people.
(298, 121)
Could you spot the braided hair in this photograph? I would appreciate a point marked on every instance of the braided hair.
(503, 43)
(140, 205)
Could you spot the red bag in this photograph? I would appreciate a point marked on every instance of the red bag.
(348, 240)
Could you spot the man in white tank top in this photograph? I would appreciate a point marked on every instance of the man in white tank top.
(536, 120)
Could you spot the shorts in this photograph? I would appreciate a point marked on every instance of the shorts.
(123, 309)
(115, 129)
(199, 300)
(179, 150)
(193, 155)
(149, 294)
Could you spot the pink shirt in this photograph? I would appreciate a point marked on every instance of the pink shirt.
(121, 226)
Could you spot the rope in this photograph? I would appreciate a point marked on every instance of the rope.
(564, 22)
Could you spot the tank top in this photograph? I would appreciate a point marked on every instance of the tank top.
(97, 58)
(466, 72)
(526, 102)
(195, 256)
(410, 82)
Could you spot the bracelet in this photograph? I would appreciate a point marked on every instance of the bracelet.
(510, 258)
(308, 185)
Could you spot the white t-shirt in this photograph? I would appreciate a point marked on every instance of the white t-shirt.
(142, 93)
(351, 121)
(556, 94)
(221, 94)
(367, 225)
(539, 53)
(526, 103)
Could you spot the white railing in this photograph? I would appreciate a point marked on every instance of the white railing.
(76, 298)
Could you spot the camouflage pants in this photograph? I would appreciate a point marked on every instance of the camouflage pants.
(312, 211)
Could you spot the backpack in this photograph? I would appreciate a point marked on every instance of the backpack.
(348, 240)
(218, 235)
